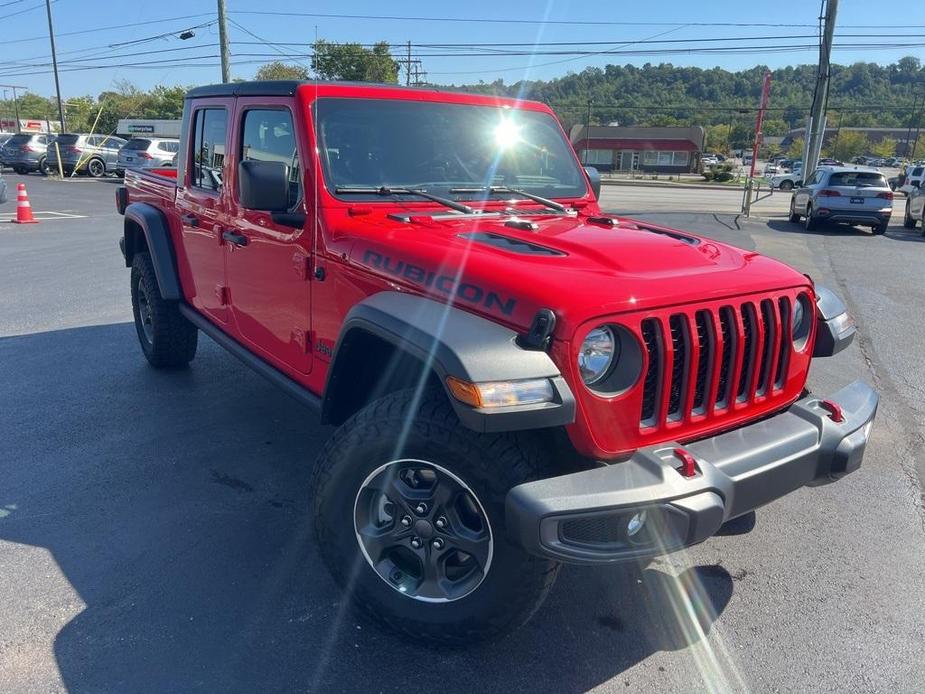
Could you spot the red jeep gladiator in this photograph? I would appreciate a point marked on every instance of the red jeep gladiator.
(517, 379)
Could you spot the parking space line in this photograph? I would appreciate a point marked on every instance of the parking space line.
(47, 215)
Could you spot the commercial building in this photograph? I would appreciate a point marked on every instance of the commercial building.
(631, 148)
(139, 127)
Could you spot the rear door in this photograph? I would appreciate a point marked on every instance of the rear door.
(269, 271)
(201, 204)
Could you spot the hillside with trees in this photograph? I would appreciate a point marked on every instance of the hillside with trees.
(863, 94)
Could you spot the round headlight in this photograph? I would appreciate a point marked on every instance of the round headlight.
(798, 315)
(596, 355)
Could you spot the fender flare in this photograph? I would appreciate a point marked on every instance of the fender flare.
(154, 226)
(454, 342)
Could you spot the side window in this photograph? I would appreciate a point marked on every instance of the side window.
(208, 153)
(268, 135)
(172, 147)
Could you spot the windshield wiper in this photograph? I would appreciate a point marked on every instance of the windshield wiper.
(551, 204)
(385, 190)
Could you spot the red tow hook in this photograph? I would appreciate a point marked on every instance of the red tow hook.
(834, 409)
(688, 464)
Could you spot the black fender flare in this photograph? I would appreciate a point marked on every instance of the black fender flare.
(153, 224)
(453, 342)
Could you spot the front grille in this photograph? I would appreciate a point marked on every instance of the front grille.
(706, 361)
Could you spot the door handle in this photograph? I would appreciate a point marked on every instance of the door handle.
(190, 220)
(237, 239)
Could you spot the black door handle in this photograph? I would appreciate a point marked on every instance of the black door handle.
(236, 239)
(190, 220)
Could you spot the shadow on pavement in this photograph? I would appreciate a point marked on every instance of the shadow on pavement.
(896, 233)
(176, 506)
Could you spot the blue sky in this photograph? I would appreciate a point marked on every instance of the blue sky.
(25, 50)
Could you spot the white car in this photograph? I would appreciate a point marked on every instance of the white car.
(708, 160)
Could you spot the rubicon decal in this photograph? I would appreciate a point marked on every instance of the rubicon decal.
(446, 284)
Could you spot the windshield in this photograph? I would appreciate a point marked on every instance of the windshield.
(19, 139)
(138, 143)
(858, 178)
(437, 147)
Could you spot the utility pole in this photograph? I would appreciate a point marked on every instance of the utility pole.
(223, 41)
(759, 136)
(16, 110)
(587, 133)
(54, 64)
(816, 131)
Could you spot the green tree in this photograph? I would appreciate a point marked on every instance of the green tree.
(354, 63)
(848, 144)
(281, 71)
(718, 138)
(885, 148)
(795, 150)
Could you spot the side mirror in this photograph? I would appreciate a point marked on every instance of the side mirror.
(263, 185)
(594, 178)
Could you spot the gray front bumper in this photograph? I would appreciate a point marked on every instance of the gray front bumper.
(583, 517)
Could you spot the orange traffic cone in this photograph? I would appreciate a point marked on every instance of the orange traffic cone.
(23, 208)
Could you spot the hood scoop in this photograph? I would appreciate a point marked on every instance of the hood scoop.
(511, 245)
(678, 236)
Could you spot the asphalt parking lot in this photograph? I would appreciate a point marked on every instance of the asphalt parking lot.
(155, 535)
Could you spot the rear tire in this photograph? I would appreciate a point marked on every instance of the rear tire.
(43, 166)
(794, 216)
(20, 170)
(96, 168)
(908, 219)
(786, 185)
(365, 465)
(810, 223)
(167, 339)
(881, 228)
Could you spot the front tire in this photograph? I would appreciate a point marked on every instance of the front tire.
(413, 526)
(786, 185)
(167, 339)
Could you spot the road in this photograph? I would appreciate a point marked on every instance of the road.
(647, 198)
(154, 533)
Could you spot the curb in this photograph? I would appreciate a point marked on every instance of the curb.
(666, 184)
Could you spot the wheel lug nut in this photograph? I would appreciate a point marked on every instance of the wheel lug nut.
(438, 544)
(406, 521)
(440, 522)
(420, 509)
(416, 542)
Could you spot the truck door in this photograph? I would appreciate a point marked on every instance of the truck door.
(201, 204)
(269, 263)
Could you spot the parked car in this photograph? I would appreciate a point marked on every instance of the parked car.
(3, 193)
(708, 160)
(915, 209)
(515, 384)
(96, 155)
(828, 161)
(771, 169)
(913, 179)
(843, 195)
(146, 153)
(25, 152)
(787, 181)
